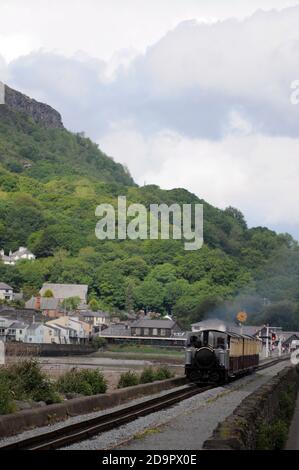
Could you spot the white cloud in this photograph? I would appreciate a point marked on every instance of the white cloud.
(254, 173)
(101, 27)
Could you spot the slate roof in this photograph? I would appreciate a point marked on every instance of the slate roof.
(4, 286)
(47, 303)
(65, 291)
(148, 323)
(99, 314)
(18, 325)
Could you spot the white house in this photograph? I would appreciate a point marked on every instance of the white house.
(95, 318)
(4, 325)
(21, 254)
(6, 292)
(35, 333)
(17, 331)
(72, 329)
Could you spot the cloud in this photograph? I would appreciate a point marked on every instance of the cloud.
(191, 81)
(256, 173)
(206, 107)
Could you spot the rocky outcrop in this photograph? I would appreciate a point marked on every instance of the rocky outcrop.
(41, 113)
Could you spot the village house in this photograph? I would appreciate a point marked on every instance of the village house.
(17, 331)
(4, 325)
(62, 292)
(21, 254)
(41, 333)
(165, 328)
(49, 306)
(76, 331)
(6, 292)
(35, 333)
(96, 319)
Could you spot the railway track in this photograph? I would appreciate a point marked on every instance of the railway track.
(91, 427)
(85, 429)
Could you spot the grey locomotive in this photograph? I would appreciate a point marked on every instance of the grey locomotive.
(214, 356)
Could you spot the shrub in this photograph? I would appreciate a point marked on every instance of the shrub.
(6, 397)
(272, 436)
(27, 381)
(99, 342)
(85, 382)
(163, 373)
(128, 379)
(148, 375)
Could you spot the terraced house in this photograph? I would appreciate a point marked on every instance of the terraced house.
(6, 292)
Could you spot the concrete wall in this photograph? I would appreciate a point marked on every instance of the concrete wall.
(240, 430)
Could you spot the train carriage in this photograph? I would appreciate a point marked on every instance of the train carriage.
(214, 356)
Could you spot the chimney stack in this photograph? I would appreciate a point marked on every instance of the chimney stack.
(37, 304)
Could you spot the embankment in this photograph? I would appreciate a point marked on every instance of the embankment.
(262, 420)
(28, 419)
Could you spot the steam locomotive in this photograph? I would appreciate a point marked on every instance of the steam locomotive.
(214, 357)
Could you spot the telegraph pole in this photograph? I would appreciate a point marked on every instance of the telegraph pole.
(267, 340)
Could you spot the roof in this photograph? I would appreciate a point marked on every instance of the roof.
(18, 324)
(221, 325)
(148, 323)
(34, 326)
(5, 286)
(52, 327)
(46, 303)
(115, 330)
(6, 322)
(65, 291)
(232, 334)
(62, 327)
(99, 314)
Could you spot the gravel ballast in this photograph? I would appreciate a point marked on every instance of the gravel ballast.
(184, 426)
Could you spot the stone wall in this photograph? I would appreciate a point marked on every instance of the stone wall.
(264, 407)
(40, 112)
(47, 350)
(28, 419)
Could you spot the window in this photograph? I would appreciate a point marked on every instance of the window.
(155, 332)
(138, 331)
(146, 331)
(20, 332)
(163, 332)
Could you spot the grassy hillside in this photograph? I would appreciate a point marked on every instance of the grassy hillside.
(44, 154)
(50, 184)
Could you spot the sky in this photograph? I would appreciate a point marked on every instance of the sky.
(186, 93)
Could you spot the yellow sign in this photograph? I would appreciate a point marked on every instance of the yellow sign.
(242, 317)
